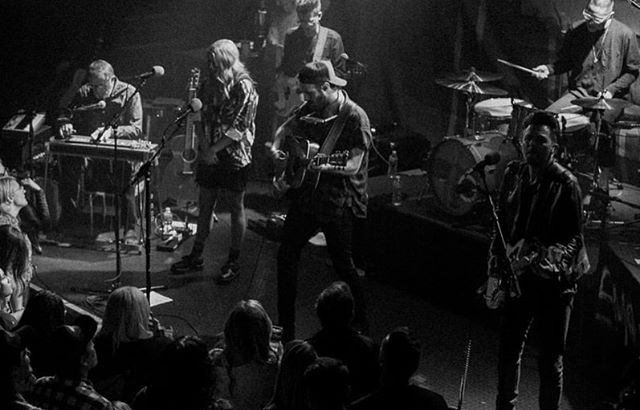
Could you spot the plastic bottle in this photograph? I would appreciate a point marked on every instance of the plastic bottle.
(167, 221)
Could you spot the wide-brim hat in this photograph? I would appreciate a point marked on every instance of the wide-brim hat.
(319, 72)
(70, 341)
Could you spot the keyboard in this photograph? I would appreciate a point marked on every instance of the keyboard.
(84, 146)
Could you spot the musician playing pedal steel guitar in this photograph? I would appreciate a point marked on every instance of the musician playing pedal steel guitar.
(540, 212)
(91, 109)
(224, 155)
(601, 55)
(331, 197)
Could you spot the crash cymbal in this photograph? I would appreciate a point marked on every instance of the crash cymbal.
(473, 75)
(471, 87)
(599, 103)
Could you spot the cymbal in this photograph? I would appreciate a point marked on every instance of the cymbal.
(471, 87)
(473, 75)
(599, 103)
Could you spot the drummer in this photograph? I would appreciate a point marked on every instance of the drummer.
(601, 56)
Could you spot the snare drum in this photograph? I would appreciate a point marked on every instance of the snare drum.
(452, 157)
(494, 114)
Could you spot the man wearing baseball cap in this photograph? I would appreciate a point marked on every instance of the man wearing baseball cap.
(333, 194)
(70, 387)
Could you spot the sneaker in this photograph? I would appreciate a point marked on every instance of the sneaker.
(189, 263)
(229, 271)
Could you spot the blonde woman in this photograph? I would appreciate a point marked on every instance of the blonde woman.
(127, 345)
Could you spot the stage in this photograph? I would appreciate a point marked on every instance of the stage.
(422, 270)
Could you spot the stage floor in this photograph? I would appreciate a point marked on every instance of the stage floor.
(443, 310)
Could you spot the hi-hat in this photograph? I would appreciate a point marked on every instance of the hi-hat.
(471, 87)
(473, 75)
(599, 103)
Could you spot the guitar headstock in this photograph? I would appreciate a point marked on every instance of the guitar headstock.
(194, 79)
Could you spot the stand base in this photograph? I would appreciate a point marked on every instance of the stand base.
(171, 244)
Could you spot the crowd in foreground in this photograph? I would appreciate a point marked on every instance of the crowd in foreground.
(50, 360)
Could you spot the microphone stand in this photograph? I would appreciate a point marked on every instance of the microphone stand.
(113, 124)
(514, 288)
(145, 172)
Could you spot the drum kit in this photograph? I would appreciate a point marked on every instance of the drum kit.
(494, 125)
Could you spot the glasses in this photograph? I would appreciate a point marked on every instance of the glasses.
(588, 15)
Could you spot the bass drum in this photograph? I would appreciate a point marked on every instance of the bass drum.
(452, 157)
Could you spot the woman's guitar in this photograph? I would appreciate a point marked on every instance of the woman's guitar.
(178, 187)
(297, 155)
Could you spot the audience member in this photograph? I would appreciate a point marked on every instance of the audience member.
(338, 339)
(15, 246)
(16, 376)
(246, 367)
(128, 345)
(399, 357)
(183, 380)
(7, 320)
(44, 313)
(326, 382)
(69, 388)
(289, 393)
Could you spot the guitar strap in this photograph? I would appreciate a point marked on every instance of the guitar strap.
(337, 127)
(322, 39)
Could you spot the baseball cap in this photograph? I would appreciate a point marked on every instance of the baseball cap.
(318, 72)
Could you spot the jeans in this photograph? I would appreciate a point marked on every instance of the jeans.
(544, 303)
(297, 230)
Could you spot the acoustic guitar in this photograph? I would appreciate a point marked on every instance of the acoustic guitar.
(178, 187)
(296, 157)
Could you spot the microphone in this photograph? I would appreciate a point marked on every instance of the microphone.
(156, 71)
(491, 158)
(100, 105)
(194, 106)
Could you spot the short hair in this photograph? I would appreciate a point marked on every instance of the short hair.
(101, 69)
(335, 306)
(247, 334)
(400, 354)
(307, 6)
(543, 118)
(327, 383)
(126, 317)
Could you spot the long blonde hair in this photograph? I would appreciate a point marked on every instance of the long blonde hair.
(225, 64)
(126, 317)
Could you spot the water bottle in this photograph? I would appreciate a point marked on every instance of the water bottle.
(167, 222)
(394, 177)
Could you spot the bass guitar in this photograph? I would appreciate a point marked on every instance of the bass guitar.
(295, 159)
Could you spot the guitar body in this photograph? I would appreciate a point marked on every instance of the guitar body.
(292, 168)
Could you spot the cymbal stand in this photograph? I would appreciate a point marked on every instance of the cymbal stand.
(468, 132)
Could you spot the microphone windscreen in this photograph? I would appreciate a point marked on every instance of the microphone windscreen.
(195, 105)
(158, 70)
(492, 158)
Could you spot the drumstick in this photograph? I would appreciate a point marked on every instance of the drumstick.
(519, 67)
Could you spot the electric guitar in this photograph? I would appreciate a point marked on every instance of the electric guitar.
(297, 156)
(178, 187)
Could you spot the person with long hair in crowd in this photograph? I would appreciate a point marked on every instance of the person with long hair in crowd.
(128, 345)
(289, 393)
(15, 246)
(246, 366)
